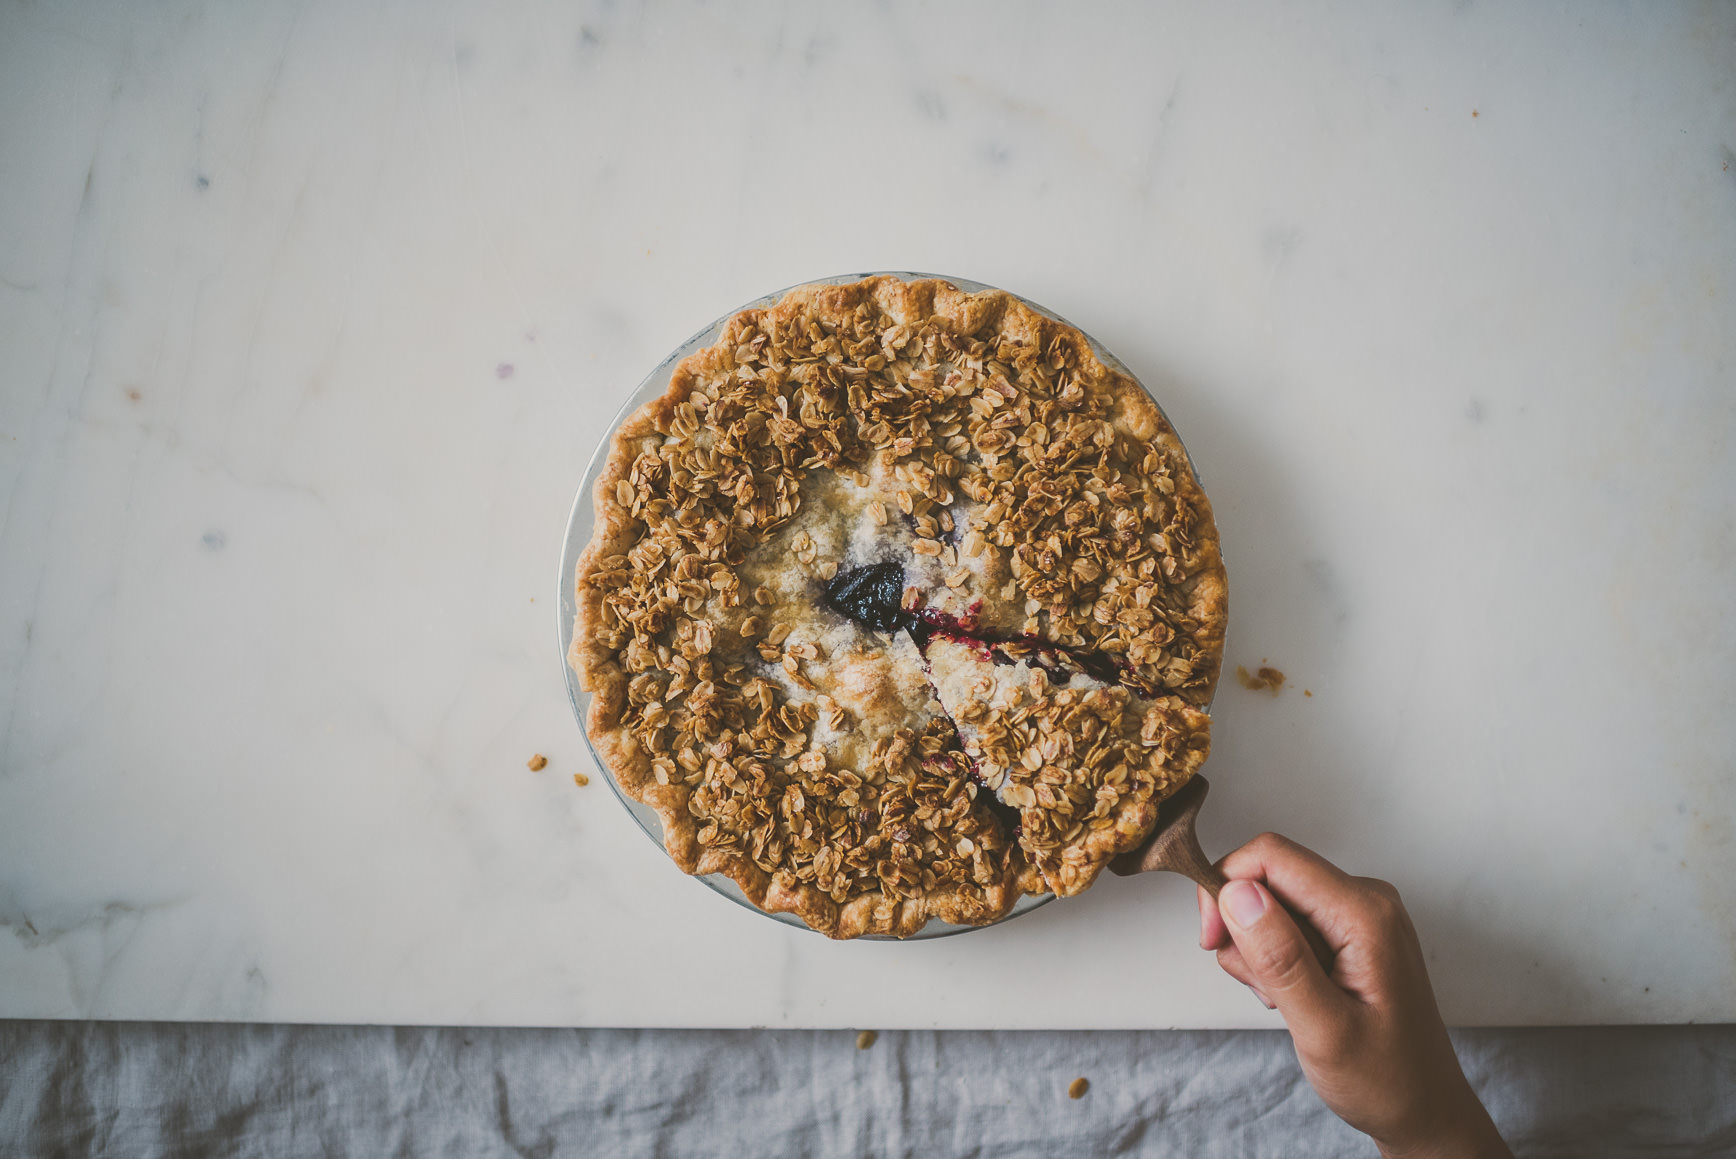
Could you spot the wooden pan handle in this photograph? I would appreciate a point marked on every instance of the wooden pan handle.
(1214, 881)
(1174, 846)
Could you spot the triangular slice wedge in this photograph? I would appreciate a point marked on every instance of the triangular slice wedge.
(1085, 761)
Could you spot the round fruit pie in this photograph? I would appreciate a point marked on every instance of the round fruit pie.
(900, 604)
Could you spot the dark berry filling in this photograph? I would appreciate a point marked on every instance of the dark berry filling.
(872, 596)
(1059, 662)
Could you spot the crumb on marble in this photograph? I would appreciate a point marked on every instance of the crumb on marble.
(537, 763)
(581, 780)
(1077, 1088)
(1264, 677)
(866, 1039)
(1306, 692)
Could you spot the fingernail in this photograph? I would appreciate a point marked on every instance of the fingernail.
(1245, 903)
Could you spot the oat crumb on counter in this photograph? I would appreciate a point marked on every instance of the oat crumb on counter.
(581, 780)
(1264, 677)
(537, 763)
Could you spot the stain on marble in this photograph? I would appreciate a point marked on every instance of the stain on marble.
(816, 50)
(1279, 243)
(214, 540)
(47, 928)
(504, 371)
(1707, 837)
(1321, 574)
(254, 986)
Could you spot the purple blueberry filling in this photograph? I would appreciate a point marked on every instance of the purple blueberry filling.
(872, 596)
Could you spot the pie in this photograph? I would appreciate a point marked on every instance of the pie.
(900, 604)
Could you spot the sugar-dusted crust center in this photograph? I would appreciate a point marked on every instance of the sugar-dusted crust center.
(1062, 575)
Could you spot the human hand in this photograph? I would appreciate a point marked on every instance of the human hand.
(1368, 1035)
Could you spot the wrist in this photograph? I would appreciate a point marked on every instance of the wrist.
(1462, 1129)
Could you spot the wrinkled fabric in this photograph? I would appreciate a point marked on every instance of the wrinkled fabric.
(143, 1089)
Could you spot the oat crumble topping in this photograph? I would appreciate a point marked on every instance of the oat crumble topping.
(1046, 624)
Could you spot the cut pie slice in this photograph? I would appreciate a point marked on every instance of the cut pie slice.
(1083, 759)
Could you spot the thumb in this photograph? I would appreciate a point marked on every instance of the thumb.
(1282, 965)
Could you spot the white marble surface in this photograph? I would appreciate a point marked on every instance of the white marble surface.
(310, 316)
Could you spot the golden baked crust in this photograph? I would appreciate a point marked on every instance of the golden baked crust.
(1059, 633)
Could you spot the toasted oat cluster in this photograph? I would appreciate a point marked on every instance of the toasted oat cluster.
(900, 604)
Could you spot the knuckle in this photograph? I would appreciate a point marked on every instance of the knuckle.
(1233, 964)
(1380, 902)
(1280, 962)
(1269, 843)
(1388, 912)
